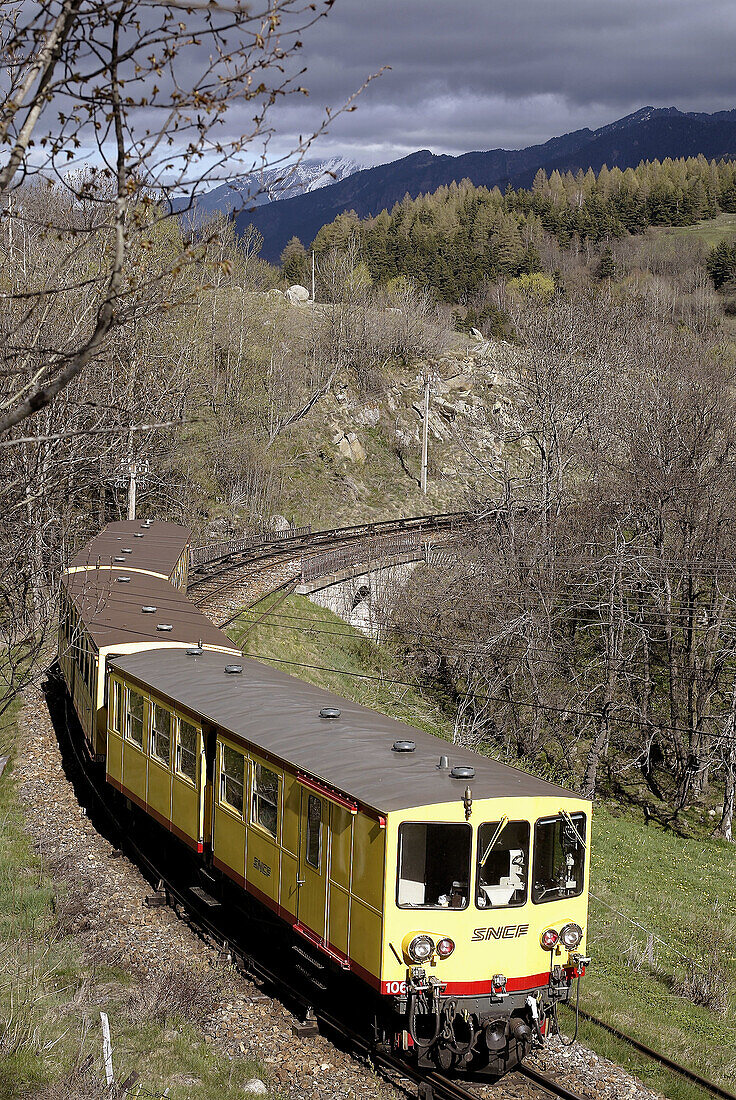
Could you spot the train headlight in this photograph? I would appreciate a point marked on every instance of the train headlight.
(445, 947)
(420, 948)
(571, 935)
(549, 939)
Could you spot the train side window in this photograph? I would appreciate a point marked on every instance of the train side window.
(117, 706)
(434, 866)
(134, 718)
(559, 858)
(186, 751)
(503, 863)
(265, 808)
(314, 831)
(232, 778)
(161, 734)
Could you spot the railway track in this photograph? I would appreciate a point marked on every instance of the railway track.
(708, 1087)
(430, 1084)
(219, 575)
(211, 579)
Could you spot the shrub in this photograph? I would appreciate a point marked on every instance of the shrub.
(178, 991)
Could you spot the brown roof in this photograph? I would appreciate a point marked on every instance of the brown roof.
(154, 549)
(111, 610)
(280, 714)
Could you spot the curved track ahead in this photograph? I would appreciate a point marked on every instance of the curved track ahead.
(309, 545)
(212, 578)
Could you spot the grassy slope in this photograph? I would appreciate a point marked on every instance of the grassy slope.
(710, 232)
(51, 996)
(667, 884)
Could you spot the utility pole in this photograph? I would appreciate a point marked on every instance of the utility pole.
(133, 471)
(425, 436)
(136, 470)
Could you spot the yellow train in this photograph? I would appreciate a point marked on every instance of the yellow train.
(447, 889)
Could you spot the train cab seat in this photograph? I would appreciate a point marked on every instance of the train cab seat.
(502, 892)
(411, 892)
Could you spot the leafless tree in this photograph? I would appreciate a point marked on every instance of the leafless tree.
(113, 118)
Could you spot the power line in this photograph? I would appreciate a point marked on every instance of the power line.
(503, 646)
(508, 700)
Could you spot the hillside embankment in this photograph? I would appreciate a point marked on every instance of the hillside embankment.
(661, 917)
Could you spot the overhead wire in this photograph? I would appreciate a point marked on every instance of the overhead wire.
(487, 697)
(544, 656)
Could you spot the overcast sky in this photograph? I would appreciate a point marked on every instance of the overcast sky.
(477, 74)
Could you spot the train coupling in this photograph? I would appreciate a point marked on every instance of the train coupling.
(533, 1005)
(559, 984)
(579, 963)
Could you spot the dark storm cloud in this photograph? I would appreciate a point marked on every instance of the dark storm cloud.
(474, 74)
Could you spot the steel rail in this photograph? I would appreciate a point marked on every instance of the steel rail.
(432, 1085)
(683, 1071)
(435, 522)
(547, 1083)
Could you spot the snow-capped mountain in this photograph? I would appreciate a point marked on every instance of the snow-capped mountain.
(271, 185)
(651, 133)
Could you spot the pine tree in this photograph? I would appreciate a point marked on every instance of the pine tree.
(721, 263)
(606, 268)
(295, 263)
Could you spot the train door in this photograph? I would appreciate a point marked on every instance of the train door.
(313, 856)
(209, 740)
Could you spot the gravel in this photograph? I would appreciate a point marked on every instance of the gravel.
(107, 911)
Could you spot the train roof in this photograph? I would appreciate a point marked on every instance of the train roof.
(279, 715)
(151, 547)
(112, 610)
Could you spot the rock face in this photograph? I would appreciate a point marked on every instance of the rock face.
(297, 295)
(279, 523)
(348, 445)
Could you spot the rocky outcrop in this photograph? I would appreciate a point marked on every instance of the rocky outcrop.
(297, 295)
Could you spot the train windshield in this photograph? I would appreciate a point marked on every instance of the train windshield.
(503, 863)
(434, 866)
(559, 857)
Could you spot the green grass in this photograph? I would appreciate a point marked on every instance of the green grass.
(683, 891)
(710, 232)
(51, 994)
(301, 633)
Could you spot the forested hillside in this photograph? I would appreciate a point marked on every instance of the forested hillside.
(649, 134)
(460, 236)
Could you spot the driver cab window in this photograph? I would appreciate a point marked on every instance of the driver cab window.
(503, 863)
(434, 866)
(559, 858)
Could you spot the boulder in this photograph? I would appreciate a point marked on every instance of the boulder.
(297, 295)
(255, 1087)
(350, 447)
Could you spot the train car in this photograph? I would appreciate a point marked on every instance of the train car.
(122, 594)
(139, 546)
(449, 888)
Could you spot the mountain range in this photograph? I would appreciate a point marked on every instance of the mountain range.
(271, 185)
(648, 134)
